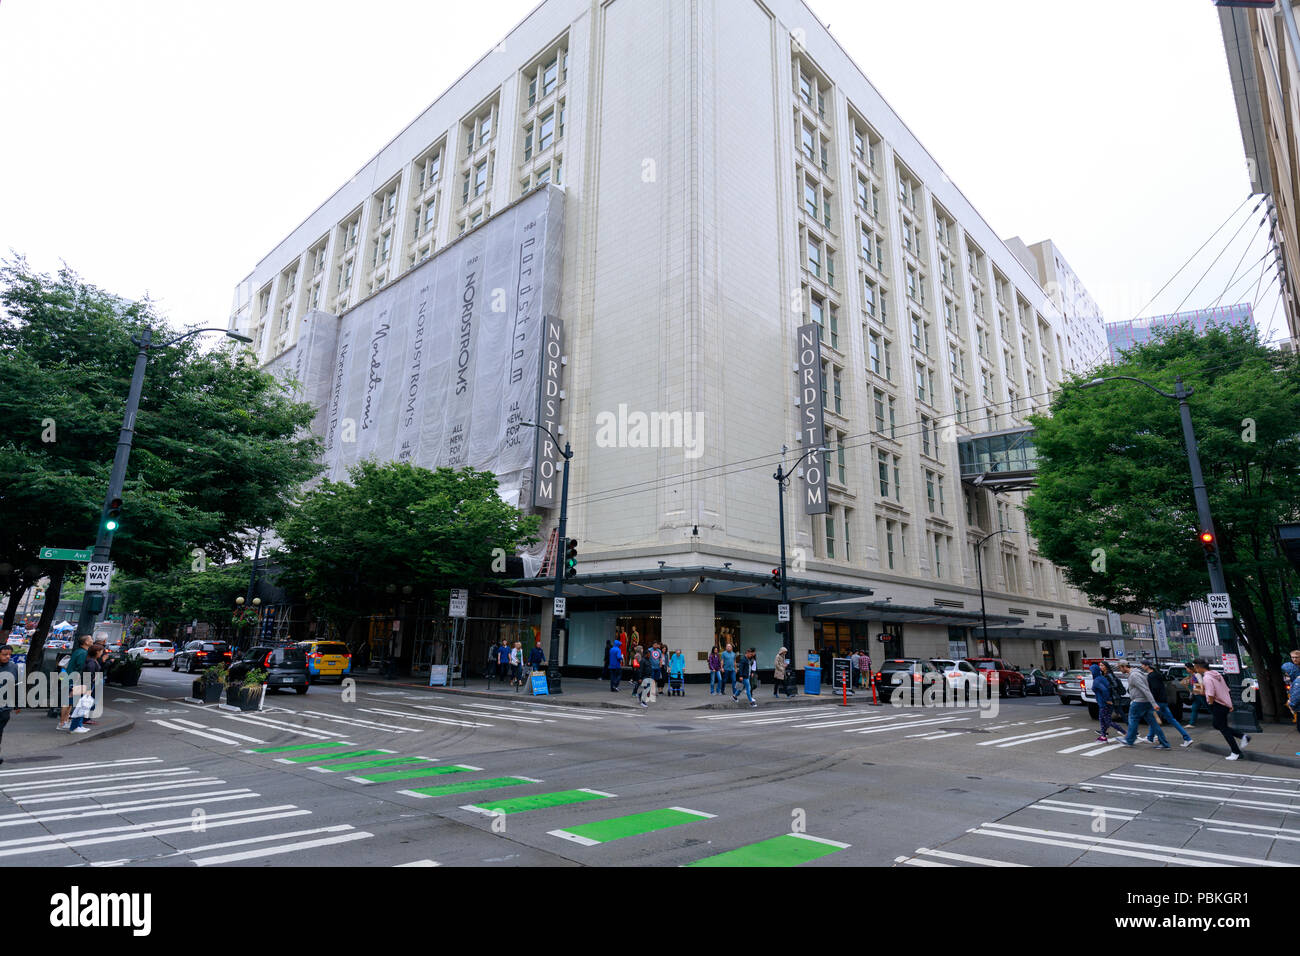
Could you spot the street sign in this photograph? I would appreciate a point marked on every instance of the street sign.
(783, 613)
(560, 607)
(459, 603)
(1220, 606)
(66, 554)
(1231, 665)
(98, 576)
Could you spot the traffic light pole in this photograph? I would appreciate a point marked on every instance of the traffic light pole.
(104, 536)
(782, 476)
(553, 681)
(1242, 717)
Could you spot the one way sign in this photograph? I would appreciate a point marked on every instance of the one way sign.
(98, 576)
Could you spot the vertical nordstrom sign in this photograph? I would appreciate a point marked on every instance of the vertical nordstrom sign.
(547, 457)
(812, 427)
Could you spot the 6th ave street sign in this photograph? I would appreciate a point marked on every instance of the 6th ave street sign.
(65, 554)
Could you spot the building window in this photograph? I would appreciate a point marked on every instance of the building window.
(873, 352)
(927, 430)
(830, 533)
(882, 469)
(815, 257)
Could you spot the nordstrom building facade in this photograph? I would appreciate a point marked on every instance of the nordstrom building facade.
(711, 183)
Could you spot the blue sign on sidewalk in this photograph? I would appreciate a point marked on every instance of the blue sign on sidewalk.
(539, 686)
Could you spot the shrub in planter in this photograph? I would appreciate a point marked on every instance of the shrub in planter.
(247, 695)
(209, 684)
(125, 671)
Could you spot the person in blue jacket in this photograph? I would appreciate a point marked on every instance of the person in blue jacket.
(1101, 690)
(615, 666)
(677, 665)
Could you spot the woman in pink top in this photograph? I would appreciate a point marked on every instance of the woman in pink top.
(1215, 689)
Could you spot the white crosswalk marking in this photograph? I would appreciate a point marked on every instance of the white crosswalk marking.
(963, 858)
(123, 806)
(427, 718)
(82, 794)
(199, 733)
(1036, 738)
(359, 722)
(287, 848)
(98, 765)
(281, 725)
(33, 786)
(900, 726)
(1091, 843)
(223, 732)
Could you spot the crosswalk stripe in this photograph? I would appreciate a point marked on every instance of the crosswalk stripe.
(1124, 811)
(1091, 848)
(1216, 773)
(1234, 787)
(31, 785)
(901, 726)
(198, 733)
(963, 858)
(468, 786)
(1245, 826)
(1099, 750)
(388, 776)
(358, 722)
(1047, 736)
(283, 726)
(286, 848)
(913, 861)
(95, 765)
(62, 841)
(634, 824)
(952, 733)
(428, 718)
(1033, 735)
(1050, 720)
(1076, 748)
(1177, 852)
(419, 863)
(286, 748)
(54, 814)
(116, 791)
(208, 848)
(1235, 801)
(470, 713)
(788, 849)
(549, 710)
(224, 733)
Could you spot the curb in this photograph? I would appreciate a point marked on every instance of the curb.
(595, 704)
(1255, 755)
(105, 733)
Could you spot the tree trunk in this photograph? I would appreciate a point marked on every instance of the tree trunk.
(47, 617)
(11, 608)
(1268, 664)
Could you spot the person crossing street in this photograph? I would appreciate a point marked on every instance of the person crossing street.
(1156, 682)
(1141, 706)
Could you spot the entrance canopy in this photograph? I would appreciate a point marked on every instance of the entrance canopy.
(858, 609)
(725, 582)
(1053, 634)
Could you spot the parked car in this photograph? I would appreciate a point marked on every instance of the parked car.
(153, 651)
(285, 667)
(327, 660)
(1119, 702)
(1001, 675)
(1069, 686)
(197, 655)
(1038, 683)
(961, 678)
(898, 672)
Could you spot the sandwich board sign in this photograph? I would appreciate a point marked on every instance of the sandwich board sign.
(98, 576)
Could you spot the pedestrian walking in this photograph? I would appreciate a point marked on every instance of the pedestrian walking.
(778, 671)
(1156, 682)
(715, 671)
(1102, 690)
(645, 692)
(1142, 706)
(1215, 689)
(729, 669)
(677, 665)
(1293, 702)
(1291, 668)
(744, 670)
(517, 662)
(9, 690)
(639, 666)
(76, 664)
(615, 665)
(864, 669)
(85, 701)
(1198, 698)
(490, 671)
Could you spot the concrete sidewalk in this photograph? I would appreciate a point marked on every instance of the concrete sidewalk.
(30, 733)
(1274, 744)
(589, 692)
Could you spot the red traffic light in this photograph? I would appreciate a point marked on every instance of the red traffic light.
(776, 577)
(1186, 627)
(1207, 541)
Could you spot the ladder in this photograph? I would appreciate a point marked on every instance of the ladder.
(551, 559)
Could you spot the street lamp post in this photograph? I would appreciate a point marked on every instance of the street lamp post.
(553, 677)
(1241, 718)
(782, 476)
(104, 536)
(979, 572)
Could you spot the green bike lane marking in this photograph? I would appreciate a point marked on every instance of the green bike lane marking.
(332, 756)
(789, 849)
(605, 831)
(288, 747)
(537, 801)
(469, 786)
(391, 775)
(371, 764)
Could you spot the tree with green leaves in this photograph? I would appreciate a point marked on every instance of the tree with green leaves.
(395, 524)
(1114, 506)
(220, 446)
(184, 594)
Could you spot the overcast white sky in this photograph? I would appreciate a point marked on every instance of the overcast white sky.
(164, 147)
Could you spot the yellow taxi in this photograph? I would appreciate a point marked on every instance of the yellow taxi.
(327, 660)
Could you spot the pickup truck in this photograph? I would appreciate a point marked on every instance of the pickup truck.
(1119, 705)
(1001, 675)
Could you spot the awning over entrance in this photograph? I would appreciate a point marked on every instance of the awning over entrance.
(855, 609)
(724, 582)
(1053, 634)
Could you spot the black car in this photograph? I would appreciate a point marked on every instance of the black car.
(285, 667)
(1038, 683)
(196, 655)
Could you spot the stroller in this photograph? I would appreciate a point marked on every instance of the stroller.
(676, 684)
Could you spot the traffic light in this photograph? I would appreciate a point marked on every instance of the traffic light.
(1187, 629)
(571, 557)
(776, 578)
(112, 514)
(1207, 542)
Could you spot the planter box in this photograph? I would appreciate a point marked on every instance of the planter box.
(208, 693)
(245, 698)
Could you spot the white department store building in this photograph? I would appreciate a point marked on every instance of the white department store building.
(721, 174)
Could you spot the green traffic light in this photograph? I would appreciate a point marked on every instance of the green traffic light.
(111, 525)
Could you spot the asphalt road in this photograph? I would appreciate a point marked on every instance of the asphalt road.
(407, 777)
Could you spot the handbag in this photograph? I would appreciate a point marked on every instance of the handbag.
(85, 704)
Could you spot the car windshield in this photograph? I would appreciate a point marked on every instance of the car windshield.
(986, 665)
(331, 648)
(942, 664)
(896, 666)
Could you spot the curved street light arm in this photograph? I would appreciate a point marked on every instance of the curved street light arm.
(563, 454)
(1130, 378)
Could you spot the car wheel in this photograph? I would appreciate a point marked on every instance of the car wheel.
(301, 690)
(1064, 700)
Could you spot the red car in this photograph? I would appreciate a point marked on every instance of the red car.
(1001, 675)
